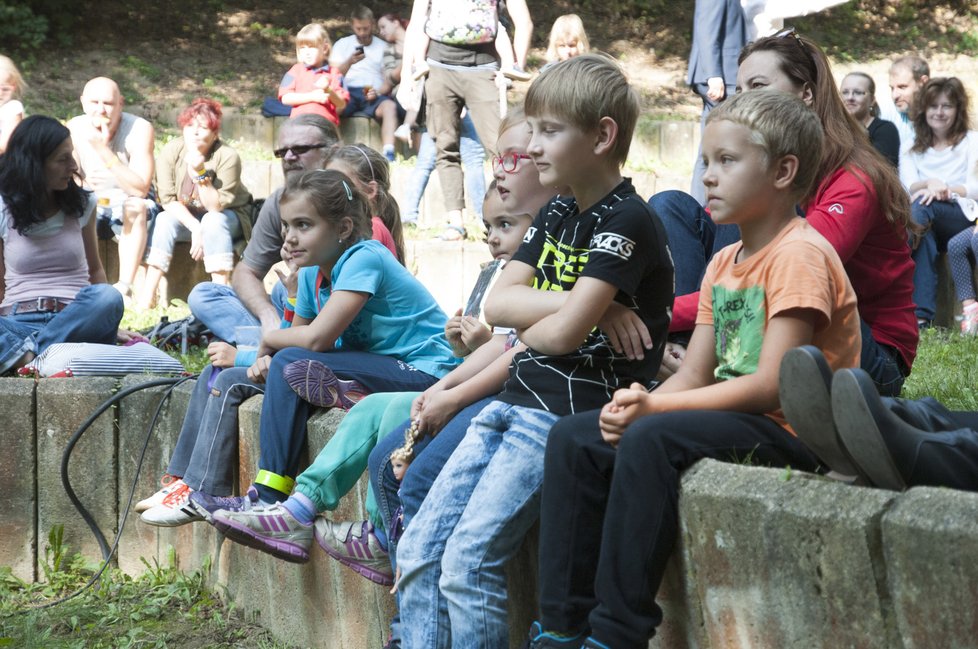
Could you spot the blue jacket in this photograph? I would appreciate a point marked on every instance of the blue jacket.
(719, 33)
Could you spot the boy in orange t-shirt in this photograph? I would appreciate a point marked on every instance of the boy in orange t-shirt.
(611, 483)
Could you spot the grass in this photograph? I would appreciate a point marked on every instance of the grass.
(161, 608)
(945, 369)
(143, 320)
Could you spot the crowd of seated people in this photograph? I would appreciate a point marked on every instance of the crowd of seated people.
(622, 340)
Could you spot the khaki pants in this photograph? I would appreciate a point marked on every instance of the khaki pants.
(447, 92)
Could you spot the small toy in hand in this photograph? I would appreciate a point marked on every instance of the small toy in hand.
(401, 457)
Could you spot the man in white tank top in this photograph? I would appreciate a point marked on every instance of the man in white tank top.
(115, 152)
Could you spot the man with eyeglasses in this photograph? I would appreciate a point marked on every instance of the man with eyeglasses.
(302, 144)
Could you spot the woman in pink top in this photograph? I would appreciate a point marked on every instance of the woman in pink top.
(54, 287)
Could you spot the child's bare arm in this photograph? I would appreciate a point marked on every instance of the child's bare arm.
(512, 302)
(320, 334)
(473, 363)
(754, 393)
(757, 392)
(438, 408)
(564, 330)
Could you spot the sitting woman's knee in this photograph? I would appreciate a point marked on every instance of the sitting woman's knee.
(134, 212)
(104, 298)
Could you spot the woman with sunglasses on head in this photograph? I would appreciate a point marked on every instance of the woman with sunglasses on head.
(858, 204)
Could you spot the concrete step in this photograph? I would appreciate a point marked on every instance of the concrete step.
(764, 558)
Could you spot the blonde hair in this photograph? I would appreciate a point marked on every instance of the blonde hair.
(514, 117)
(781, 124)
(8, 68)
(567, 28)
(582, 91)
(314, 34)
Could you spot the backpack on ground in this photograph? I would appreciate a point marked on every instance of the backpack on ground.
(179, 334)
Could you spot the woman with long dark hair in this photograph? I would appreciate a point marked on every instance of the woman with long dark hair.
(54, 287)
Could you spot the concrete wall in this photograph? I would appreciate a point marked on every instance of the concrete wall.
(766, 558)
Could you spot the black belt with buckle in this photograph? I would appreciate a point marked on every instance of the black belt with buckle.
(40, 305)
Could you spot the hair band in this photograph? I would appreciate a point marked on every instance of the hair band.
(349, 192)
(367, 158)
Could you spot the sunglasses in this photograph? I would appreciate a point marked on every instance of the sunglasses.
(297, 149)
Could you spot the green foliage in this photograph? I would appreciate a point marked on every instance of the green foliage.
(945, 369)
(139, 66)
(163, 607)
(25, 25)
(20, 28)
(269, 31)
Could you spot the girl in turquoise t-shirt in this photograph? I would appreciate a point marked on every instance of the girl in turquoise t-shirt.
(359, 314)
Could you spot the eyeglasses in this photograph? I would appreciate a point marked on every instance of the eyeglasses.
(509, 161)
(297, 149)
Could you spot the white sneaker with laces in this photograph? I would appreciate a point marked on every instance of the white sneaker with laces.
(174, 510)
(157, 498)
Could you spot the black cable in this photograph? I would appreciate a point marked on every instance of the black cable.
(107, 553)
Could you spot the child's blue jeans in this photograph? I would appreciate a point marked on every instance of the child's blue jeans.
(207, 449)
(452, 555)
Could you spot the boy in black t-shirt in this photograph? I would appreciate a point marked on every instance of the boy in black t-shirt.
(590, 292)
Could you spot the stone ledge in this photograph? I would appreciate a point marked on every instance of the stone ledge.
(766, 558)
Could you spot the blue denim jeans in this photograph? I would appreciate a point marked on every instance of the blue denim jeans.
(430, 455)
(881, 362)
(284, 414)
(92, 317)
(943, 220)
(472, 154)
(693, 237)
(218, 307)
(207, 448)
(453, 554)
(218, 232)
